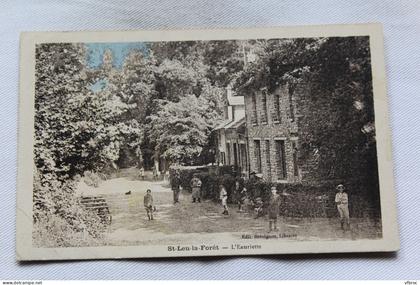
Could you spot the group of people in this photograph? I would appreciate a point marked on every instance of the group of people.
(272, 206)
(157, 175)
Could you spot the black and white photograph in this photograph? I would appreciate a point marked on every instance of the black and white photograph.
(207, 145)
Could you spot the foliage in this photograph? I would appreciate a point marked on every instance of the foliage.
(337, 128)
(181, 129)
(59, 220)
(76, 129)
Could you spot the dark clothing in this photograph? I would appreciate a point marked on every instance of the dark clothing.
(148, 200)
(176, 190)
(148, 205)
(196, 188)
(274, 207)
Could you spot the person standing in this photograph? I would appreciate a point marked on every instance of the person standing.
(148, 204)
(342, 202)
(142, 173)
(223, 197)
(196, 188)
(273, 209)
(155, 173)
(258, 207)
(175, 183)
(240, 192)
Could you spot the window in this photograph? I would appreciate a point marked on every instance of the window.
(254, 110)
(244, 161)
(228, 154)
(276, 111)
(291, 107)
(235, 154)
(281, 160)
(257, 154)
(267, 158)
(264, 106)
(222, 158)
(295, 159)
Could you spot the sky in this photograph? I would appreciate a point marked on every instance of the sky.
(119, 51)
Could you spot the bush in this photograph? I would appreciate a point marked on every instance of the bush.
(211, 183)
(58, 217)
(92, 178)
(210, 180)
(183, 175)
(55, 231)
(299, 201)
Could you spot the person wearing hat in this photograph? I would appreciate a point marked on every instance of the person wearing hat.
(342, 201)
(273, 209)
(254, 177)
(196, 188)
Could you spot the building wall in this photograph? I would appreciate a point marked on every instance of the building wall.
(280, 124)
(238, 112)
(237, 137)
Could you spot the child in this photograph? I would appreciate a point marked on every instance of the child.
(273, 209)
(259, 205)
(148, 204)
(224, 197)
(242, 202)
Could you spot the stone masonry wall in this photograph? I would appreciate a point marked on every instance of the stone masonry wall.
(283, 125)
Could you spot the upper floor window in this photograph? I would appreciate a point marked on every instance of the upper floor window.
(291, 106)
(254, 109)
(276, 115)
(264, 106)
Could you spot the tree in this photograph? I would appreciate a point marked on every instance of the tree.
(181, 129)
(76, 129)
(338, 122)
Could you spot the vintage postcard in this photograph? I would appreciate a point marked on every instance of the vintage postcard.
(204, 142)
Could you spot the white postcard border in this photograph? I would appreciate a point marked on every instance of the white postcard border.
(24, 248)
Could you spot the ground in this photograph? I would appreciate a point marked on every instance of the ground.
(187, 221)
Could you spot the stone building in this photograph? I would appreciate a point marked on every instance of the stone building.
(272, 120)
(231, 134)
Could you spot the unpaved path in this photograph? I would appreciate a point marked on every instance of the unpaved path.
(200, 222)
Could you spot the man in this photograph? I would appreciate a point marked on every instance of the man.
(175, 187)
(148, 204)
(342, 201)
(273, 209)
(196, 188)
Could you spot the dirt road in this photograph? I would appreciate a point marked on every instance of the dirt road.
(204, 222)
